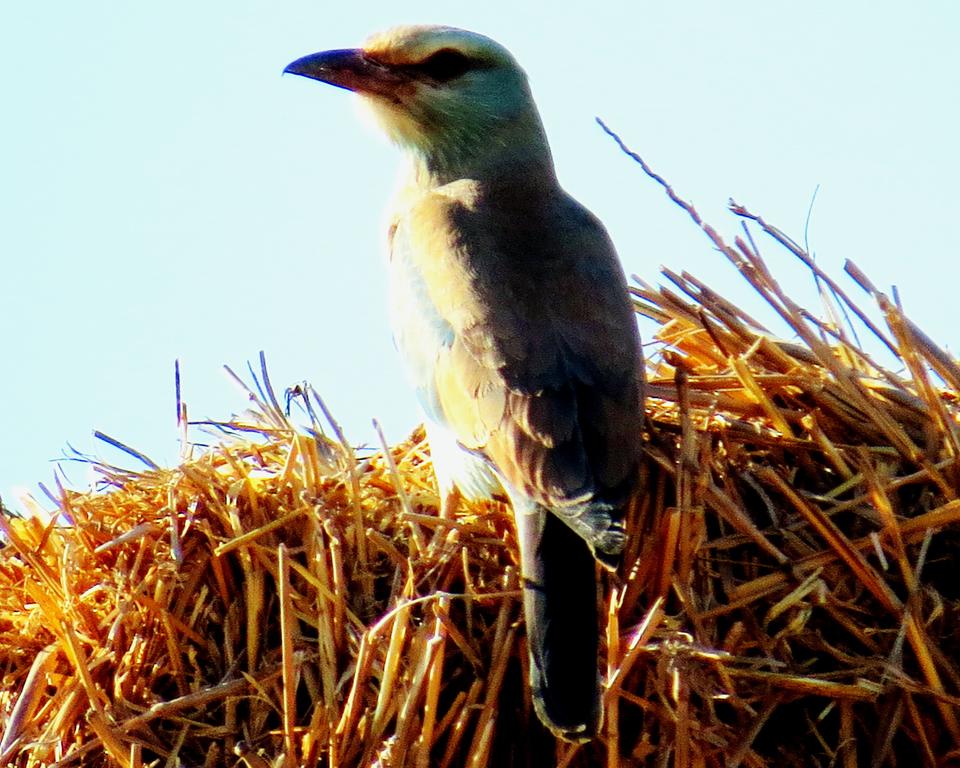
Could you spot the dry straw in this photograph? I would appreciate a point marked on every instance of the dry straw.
(788, 596)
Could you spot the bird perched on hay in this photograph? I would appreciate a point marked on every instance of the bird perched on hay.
(511, 313)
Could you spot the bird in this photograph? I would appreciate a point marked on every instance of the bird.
(511, 312)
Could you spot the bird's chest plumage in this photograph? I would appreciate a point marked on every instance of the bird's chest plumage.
(419, 331)
(422, 335)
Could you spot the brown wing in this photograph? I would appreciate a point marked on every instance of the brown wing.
(541, 369)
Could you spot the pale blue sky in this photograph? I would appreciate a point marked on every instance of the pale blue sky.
(165, 193)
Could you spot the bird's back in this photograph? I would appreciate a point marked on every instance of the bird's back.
(512, 313)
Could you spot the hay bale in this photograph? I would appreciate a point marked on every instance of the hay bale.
(788, 596)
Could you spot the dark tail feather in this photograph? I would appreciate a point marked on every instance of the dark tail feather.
(560, 608)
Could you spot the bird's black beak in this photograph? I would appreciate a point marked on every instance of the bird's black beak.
(348, 68)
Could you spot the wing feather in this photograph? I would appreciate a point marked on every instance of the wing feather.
(534, 357)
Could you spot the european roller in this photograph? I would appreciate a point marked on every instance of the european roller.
(511, 313)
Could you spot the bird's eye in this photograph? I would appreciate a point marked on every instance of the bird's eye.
(445, 65)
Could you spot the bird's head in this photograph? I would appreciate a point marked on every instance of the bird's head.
(456, 99)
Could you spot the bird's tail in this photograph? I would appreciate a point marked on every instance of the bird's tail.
(560, 609)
